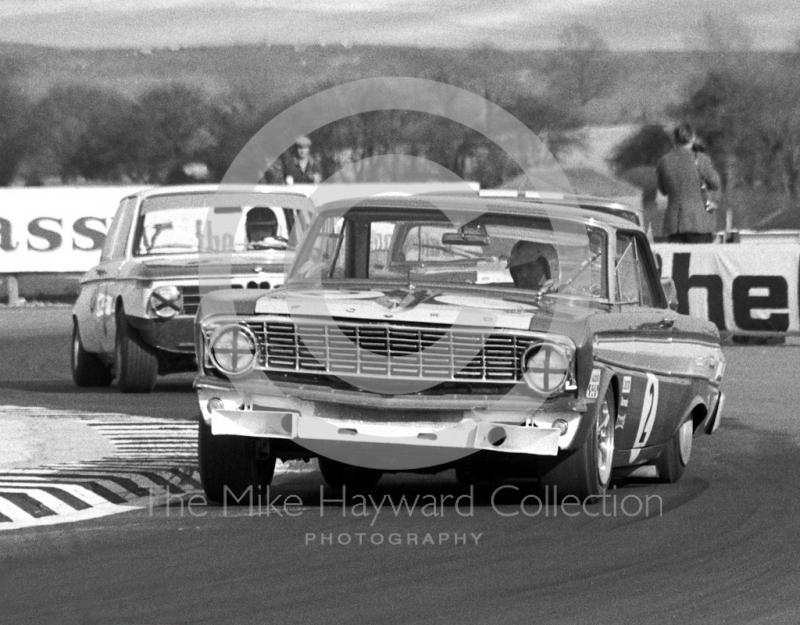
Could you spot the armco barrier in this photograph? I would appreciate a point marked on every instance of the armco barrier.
(749, 288)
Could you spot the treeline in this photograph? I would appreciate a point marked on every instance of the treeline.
(81, 132)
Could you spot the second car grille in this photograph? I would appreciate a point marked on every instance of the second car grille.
(192, 297)
(395, 351)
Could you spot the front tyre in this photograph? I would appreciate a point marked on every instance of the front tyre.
(337, 474)
(672, 462)
(234, 470)
(87, 369)
(585, 473)
(136, 364)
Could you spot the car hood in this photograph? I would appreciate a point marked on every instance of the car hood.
(206, 266)
(448, 307)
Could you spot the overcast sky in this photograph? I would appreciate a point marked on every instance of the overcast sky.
(626, 24)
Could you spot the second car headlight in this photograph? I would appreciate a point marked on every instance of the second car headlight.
(546, 367)
(165, 302)
(233, 349)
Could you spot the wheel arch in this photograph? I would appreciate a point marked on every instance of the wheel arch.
(609, 379)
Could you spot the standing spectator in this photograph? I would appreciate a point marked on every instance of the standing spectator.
(300, 167)
(681, 174)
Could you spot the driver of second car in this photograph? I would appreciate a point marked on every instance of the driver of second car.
(261, 227)
(528, 265)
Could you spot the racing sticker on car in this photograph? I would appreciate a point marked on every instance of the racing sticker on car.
(593, 389)
(622, 413)
(649, 409)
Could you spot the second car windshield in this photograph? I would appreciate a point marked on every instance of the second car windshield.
(174, 227)
(491, 250)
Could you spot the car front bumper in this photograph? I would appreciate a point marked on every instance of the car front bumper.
(308, 414)
(174, 335)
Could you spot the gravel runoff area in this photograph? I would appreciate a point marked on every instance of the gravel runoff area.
(31, 441)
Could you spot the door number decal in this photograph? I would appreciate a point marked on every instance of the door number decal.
(649, 408)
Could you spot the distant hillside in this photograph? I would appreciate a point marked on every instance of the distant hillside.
(649, 81)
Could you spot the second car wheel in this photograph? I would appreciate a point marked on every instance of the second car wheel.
(234, 470)
(585, 473)
(135, 364)
(337, 474)
(672, 462)
(87, 369)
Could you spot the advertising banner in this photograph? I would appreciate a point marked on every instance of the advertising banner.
(55, 229)
(743, 288)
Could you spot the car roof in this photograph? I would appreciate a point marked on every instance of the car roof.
(189, 189)
(561, 208)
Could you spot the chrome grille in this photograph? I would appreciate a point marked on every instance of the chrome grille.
(192, 297)
(391, 351)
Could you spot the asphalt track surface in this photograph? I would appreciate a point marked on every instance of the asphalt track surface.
(723, 547)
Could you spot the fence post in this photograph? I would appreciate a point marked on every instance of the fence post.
(13, 291)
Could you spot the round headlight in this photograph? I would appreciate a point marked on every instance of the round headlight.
(166, 302)
(234, 349)
(545, 367)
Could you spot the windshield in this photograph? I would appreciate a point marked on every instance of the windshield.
(202, 224)
(490, 251)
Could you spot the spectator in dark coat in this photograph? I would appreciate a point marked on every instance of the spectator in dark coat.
(300, 167)
(681, 174)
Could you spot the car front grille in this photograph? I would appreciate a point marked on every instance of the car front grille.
(192, 297)
(390, 350)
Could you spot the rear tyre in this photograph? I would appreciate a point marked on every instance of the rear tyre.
(585, 473)
(337, 474)
(234, 470)
(136, 364)
(87, 368)
(672, 462)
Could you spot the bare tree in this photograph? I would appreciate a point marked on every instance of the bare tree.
(584, 67)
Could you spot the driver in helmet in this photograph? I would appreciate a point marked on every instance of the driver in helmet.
(261, 227)
(528, 265)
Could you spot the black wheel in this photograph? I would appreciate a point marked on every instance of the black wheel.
(135, 364)
(87, 368)
(337, 474)
(586, 472)
(234, 470)
(673, 459)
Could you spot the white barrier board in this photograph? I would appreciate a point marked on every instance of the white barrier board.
(55, 229)
(743, 288)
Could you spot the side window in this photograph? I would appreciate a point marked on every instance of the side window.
(648, 288)
(627, 272)
(633, 284)
(380, 238)
(114, 246)
(336, 249)
(111, 237)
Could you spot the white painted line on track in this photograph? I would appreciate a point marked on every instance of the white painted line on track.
(49, 501)
(16, 514)
(79, 492)
(95, 512)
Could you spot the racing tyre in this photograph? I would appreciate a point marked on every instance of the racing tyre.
(586, 472)
(233, 469)
(673, 460)
(87, 368)
(135, 363)
(337, 474)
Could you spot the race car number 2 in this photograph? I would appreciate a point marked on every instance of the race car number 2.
(649, 408)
